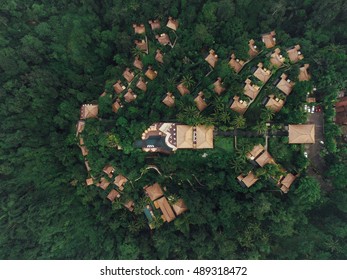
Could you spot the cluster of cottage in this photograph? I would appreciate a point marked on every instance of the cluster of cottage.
(168, 137)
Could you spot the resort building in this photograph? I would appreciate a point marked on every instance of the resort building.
(218, 86)
(276, 58)
(168, 137)
(295, 54)
(200, 101)
(89, 111)
(341, 111)
(253, 49)
(139, 28)
(236, 63)
(238, 105)
(250, 89)
(128, 75)
(301, 133)
(304, 75)
(172, 23)
(212, 58)
(169, 100)
(261, 73)
(285, 85)
(118, 87)
(247, 181)
(138, 63)
(183, 89)
(155, 24)
(269, 39)
(273, 103)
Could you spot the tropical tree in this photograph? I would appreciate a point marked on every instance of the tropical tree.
(188, 81)
(239, 122)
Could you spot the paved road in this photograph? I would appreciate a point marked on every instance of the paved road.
(318, 165)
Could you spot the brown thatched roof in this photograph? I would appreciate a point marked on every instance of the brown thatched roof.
(138, 63)
(301, 134)
(218, 86)
(183, 89)
(200, 101)
(250, 89)
(120, 181)
(89, 111)
(116, 105)
(169, 100)
(151, 74)
(139, 28)
(80, 126)
(129, 205)
(285, 85)
(159, 56)
(275, 104)
(238, 105)
(142, 45)
(235, 63)
(128, 75)
(172, 23)
(118, 87)
(179, 207)
(261, 73)
(249, 180)
(295, 54)
(288, 180)
(86, 163)
(84, 150)
(109, 170)
(276, 58)
(103, 183)
(154, 191)
(163, 39)
(163, 204)
(141, 84)
(113, 195)
(130, 96)
(341, 111)
(204, 137)
(256, 151)
(253, 49)
(155, 24)
(212, 58)
(184, 137)
(269, 39)
(304, 75)
(264, 159)
(89, 181)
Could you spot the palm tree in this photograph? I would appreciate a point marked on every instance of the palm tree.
(267, 114)
(190, 115)
(260, 127)
(238, 163)
(136, 52)
(239, 122)
(188, 81)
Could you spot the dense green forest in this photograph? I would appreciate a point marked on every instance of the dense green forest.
(55, 56)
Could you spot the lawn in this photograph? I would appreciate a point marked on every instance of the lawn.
(225, 143)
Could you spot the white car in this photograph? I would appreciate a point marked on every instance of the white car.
(309, 109)
(305, 154)
(312, 109)
(305, 108)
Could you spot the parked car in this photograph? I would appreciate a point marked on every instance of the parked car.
(319, 109)
(305, 154)
(312, 109)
